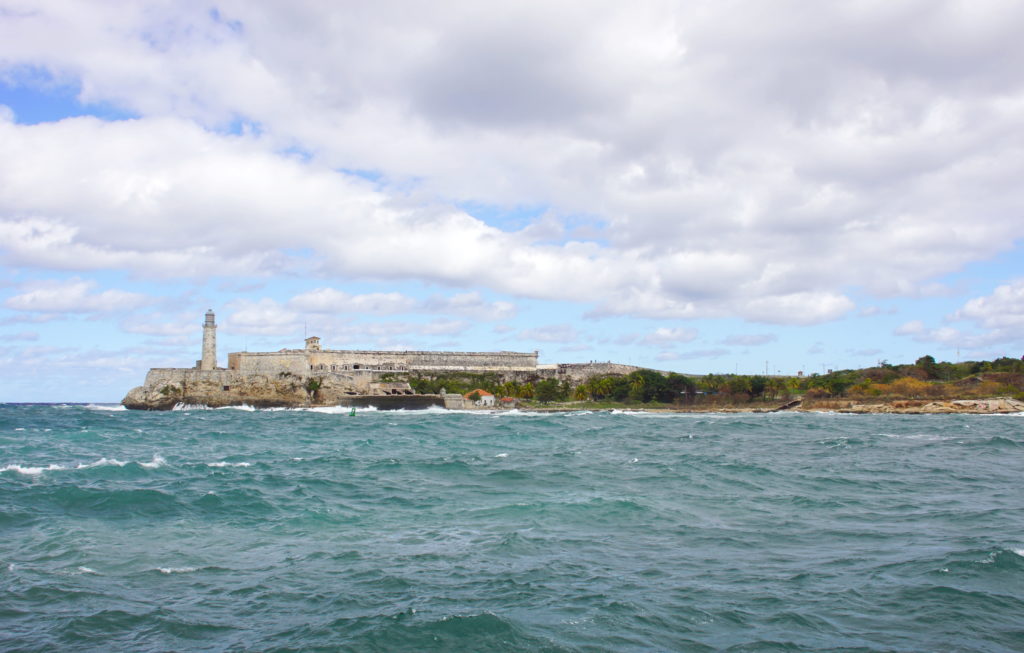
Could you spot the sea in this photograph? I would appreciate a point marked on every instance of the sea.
(317, 530)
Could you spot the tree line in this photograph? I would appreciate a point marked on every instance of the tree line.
(926, 377)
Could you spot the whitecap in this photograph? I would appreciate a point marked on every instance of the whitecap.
(20, 428)
(246, 407)
(502, 455)
(635, 460)
(112, 407)
(87, 570)
(183, 406)
(224, 463)
(1019, 552)
(158, 461)
(102, 462)
(31, 471)
(176, 570)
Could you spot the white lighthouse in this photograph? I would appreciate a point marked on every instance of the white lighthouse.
(209, 360)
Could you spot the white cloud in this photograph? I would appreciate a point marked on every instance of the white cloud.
(751, 339)
(910, 328)
(751, 169)
(471, 304)
(998, 318)
(1003, 309)
(562, 333)
(333, 301)
(263, 317)
(665, 335)
(73, 296)
(864, 352)
(702, 353)
(20, 336)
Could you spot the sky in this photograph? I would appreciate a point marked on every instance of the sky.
(720, 186)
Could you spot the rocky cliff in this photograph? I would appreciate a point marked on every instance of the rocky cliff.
(165, 389)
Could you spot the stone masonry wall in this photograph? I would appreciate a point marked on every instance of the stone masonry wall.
(305, 362)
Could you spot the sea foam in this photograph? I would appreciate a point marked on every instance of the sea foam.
(31, 471)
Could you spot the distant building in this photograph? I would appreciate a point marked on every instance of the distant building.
(485, 399)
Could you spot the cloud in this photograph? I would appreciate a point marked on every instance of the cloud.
(1003, 309)
(262, 317)
(470, 304)
(330, 300)
(702, 353)
(864, 155)
(910, 328)
(561, 333)
(997, 318)
(864, 352)
(20, 336)
(73, 296)
(750, 340)
(665, 335)
(333, 301)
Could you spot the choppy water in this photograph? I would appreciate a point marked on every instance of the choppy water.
(433, 531)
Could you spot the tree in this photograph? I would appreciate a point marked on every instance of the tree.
(927, 365)
(758, 384)
(547, 390)
(526, 391)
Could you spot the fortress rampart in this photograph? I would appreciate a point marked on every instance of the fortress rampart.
(309, 361)
(580, 372)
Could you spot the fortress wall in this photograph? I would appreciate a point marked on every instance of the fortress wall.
(580, 372)
(303, 362)
(271, 363)
(161, 376)
(470, 361)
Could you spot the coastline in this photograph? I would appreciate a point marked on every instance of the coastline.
(992, 406)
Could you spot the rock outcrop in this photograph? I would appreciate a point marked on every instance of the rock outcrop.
(919, 406)
(166, 389)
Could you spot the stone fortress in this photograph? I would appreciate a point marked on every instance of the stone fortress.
(314, 376)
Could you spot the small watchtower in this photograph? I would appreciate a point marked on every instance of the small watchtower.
(312, 343)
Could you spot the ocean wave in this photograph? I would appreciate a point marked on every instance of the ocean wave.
(224, 463)
(157, 462)
(181, 406)
(102, 462)
(177, 570)
(28, 470)
(31, 471)
(106, 407)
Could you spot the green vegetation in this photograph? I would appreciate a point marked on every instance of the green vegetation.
(926, 378)
(458, 383)
(313, 385)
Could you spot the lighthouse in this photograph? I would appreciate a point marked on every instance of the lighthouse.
(209, 360)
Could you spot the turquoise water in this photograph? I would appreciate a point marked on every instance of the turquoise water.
(432, 531)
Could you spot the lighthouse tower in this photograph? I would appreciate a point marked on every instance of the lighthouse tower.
(209, 360)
